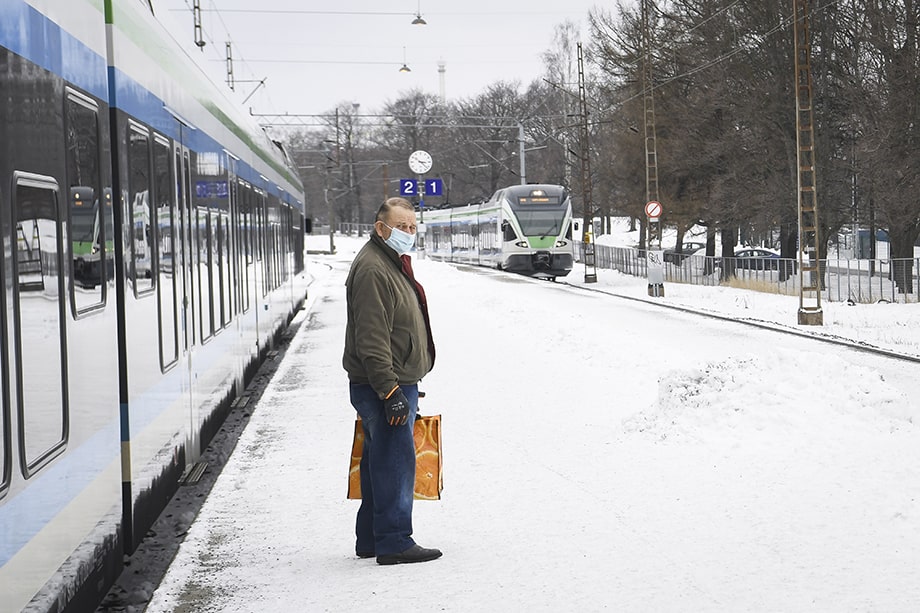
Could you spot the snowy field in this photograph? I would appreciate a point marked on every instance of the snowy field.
(600, 454)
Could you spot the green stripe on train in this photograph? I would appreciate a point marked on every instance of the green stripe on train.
(541, 242)
(156, 48)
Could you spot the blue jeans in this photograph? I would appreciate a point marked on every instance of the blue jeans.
(384, 523)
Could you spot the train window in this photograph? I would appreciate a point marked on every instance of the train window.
(268, 263)
(223, 268)
(138, 215)
(87, 208)
(246, 243)
(235, 249)
(276, 255)
(215, 270)
(298, 231)
(6, 470)
(187, 233)
(39, 310)
(164, 205)
(205, 282)
(262, 239)
(288, 240)
(271, 259)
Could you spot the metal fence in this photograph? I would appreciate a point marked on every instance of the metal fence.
(841, 279)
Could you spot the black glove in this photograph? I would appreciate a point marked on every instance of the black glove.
(396, 408)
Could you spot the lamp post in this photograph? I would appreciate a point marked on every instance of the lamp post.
(354, 188)
(523, 162)
(522, 151)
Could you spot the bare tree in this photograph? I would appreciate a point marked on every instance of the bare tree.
(889, 143)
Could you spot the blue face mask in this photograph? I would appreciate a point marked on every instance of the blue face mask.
(401, 242)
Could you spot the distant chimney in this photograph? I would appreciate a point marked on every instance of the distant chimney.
(442, 71)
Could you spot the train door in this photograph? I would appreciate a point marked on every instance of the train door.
(185, 278)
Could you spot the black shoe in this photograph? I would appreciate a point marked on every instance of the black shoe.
(410, 555)
(365, 554)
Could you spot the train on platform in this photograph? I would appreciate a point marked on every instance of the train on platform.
(525, 229)
(152, 254)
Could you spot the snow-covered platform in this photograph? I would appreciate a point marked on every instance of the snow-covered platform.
(600, 454)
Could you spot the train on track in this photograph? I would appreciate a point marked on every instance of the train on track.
(526, 229)
(152, 252)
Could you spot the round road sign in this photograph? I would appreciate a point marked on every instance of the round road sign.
(653, 209)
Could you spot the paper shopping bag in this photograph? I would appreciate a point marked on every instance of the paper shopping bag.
(428, 462)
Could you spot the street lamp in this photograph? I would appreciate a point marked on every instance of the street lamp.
(404, 67)
(418, 21)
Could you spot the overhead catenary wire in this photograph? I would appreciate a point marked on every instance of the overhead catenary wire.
(241, 58)
(784, 22)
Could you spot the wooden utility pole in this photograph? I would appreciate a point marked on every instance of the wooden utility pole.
(651, 152)
(810, 312)
(655, 270)
(586, 187)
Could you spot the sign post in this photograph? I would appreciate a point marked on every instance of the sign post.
(590, 255)
(654, 255)
(420, 163)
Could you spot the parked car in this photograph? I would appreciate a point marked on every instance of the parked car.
(757, 258)
(687, 249)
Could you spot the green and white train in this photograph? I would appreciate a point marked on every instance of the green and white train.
(526, 229)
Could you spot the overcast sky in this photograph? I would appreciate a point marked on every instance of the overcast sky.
(316, 56)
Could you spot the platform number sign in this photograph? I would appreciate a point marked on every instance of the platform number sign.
(434, 187)
(430, 187)
(408, 187)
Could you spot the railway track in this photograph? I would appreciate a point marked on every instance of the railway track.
(756, 323)
(759, 323)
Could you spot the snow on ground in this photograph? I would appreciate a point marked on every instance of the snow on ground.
(600, 454)
(895, 327)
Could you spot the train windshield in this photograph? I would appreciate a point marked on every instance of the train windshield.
(539, 213)
(540, 222)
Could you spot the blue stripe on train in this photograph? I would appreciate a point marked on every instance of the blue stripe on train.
(39, 40)
(54, 487)
(36, 38)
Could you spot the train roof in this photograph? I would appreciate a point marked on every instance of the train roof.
(530, 189)
(164, 84)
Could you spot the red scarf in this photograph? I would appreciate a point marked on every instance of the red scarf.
(422, 301)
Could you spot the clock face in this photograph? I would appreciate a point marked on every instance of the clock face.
(420, 162)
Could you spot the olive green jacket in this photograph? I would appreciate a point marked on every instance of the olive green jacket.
(386, 340)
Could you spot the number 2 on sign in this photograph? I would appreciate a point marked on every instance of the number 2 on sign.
(409, 187)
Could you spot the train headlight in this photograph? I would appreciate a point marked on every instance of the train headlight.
(522, 244)
(561, 243)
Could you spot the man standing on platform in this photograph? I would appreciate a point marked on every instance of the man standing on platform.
(388, 349)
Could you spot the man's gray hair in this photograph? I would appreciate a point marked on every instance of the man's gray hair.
(390, 203)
